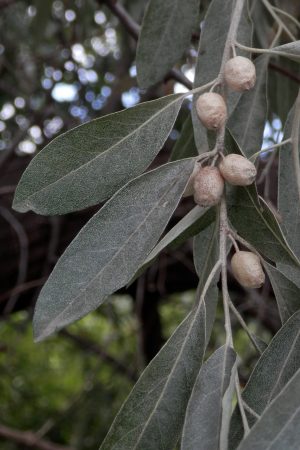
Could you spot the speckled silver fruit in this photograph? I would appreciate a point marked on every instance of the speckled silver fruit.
(212, 111)
(237, 170)
(247, 269)
(240, 74)
(208, 186)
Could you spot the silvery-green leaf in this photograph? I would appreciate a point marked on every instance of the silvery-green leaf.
(227, 408)
(212, 41)
(192, 223)
(273, 370)
(247, 122)
(254, 220)
(291, 50)
(288, 200)
(87, 164)
(165, 34)
(153, 414)
(262, 23)
(205, 410)
(286, 292)
(185, 146)
(105, 254)
(206, 249)
(278, 428)
(256, 223)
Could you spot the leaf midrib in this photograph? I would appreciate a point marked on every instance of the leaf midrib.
(284, 366)
(102, 154)
(198, 310)
(165, 32)
(278, 238)
(113, 257)
(222, 394)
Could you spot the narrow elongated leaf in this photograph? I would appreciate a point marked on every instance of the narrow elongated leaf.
(262, 22)
(286, 292)
(287, 193)
(254, 220)
(185, 146)
(291, 50)
(105, 254)
(248, 119)
(288, 199)
(203, 420)
(278, 428)
(256, 223)
(227, 409)
(86, 165)
(165, 34)
(153, 414)
(195, 221)
(213, 37)
(206, 249)
(273, 370)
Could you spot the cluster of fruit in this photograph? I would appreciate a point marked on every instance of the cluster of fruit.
(208, 182)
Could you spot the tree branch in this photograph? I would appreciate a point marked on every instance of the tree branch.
(92, 347)
(134, 29)
(284, 72)
(30, 439)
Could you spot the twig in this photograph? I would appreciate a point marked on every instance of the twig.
(219, 147)
(223, 257)
(210, 279)
(266, 170)
(231, 36)
(243, 242)
(250, 410)
(284, 72)
(30, 439)
(289, 16)
(295, 141)
(22, 288)
(275, 16)
(267, 149)
(7, 189)
(23, 258)
(234, 243)
(243, 325)
(269, 51)
(241, 405)
(134, 29)
(91, 347)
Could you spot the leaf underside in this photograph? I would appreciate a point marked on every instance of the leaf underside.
(104, 255)
(153, 414)
(89, 163)
(203, 421)
(211, 48)
(278, 428)
(273, 370)
(165, 34)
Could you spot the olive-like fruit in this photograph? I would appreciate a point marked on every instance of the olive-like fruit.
(240, 74)
(247, 269)
(211, 110)
(237, 170)
(208, 186)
